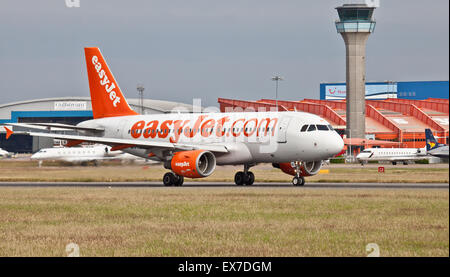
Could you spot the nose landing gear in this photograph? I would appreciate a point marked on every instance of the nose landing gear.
(298, 180)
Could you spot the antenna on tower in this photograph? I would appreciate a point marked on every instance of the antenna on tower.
(140, 88)
(373, 3)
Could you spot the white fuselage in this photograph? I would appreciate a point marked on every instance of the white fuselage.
(440, 152)
(77, 154)
(392, 154)
(4, 153)
(250, 137)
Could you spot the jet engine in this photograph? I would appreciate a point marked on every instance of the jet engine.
(306, 168)
(193, 164)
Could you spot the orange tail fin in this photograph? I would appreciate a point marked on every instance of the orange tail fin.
(106, 97)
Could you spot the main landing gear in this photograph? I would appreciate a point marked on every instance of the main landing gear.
(172, 179)
(298, 180)
(244, 177)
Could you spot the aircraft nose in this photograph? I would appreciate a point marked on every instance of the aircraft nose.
(336, 145)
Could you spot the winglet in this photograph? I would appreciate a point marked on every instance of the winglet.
(121, 146)
(8, 132)
(72, 142)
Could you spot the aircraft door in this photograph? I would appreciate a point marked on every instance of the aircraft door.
(282, 129)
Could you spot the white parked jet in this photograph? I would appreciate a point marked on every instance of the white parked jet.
(393, 155)
(79, 154)
(4, 153)
(435, 148)
(191, 145)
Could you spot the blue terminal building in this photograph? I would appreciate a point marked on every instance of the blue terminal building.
(416, 90)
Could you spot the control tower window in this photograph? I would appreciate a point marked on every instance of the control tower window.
(347, 14)
(364, 14)
(355, 14)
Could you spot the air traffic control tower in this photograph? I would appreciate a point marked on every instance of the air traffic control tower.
(355, 24)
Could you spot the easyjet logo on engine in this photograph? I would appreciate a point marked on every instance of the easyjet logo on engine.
(104, 81)
(204, 127)
(183, 164)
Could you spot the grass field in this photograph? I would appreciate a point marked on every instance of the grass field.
(113, 171)
(223, 221)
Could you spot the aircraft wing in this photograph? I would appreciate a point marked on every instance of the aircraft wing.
(54, 127)
(85, 159)
(78, 159)
(410, 158)
(139, 143)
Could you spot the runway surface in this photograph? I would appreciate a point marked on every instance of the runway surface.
(228, 184)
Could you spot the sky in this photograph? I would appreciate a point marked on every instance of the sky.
(206, 49)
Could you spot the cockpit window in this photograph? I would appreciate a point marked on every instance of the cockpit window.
(311, 128)
(322, 128)
(365, 151)
(330, 127)
(304, 128)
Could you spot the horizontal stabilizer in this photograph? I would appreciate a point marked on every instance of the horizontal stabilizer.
(9, 132)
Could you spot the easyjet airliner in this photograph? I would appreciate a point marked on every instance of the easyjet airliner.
(191, 145)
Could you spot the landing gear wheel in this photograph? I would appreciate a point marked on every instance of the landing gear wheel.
(169, 179)
(250, 178)
(298, 181)
(179, 180)
(239, 178)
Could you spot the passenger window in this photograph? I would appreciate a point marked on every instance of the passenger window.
(311, 128)
(304, 128)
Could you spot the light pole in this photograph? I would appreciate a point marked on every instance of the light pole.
(277, 78)
(140, 88)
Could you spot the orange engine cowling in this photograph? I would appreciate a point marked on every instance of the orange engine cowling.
(193, 164)
(306, 168)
